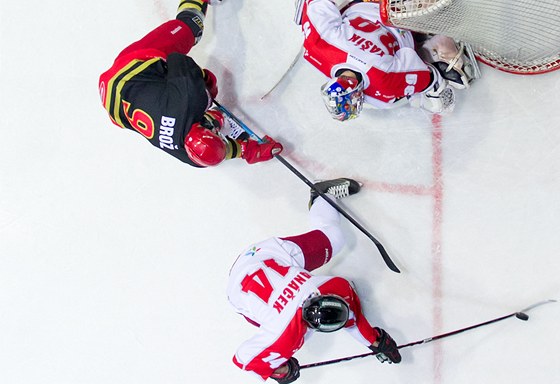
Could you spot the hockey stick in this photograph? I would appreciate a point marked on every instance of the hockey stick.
(379, 246)
(300, 53)
(521, 315)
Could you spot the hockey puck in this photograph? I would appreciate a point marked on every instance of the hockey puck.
(522, 316)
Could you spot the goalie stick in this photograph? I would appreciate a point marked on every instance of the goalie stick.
(521, 315)
(233, 119)
(296, 59)
(297, 20)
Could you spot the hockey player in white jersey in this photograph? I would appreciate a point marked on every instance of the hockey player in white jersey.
(368, 61)
(270, 284)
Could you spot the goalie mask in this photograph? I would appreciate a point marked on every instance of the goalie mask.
(344, 97)
(325, 313)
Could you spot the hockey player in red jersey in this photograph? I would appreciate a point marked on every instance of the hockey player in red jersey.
(270, 284)
(155, 89)
(370, 62)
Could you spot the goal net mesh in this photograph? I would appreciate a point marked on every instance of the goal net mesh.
(518, 36)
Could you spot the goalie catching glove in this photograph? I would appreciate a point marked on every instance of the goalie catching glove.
(449, 60)
(386, 349)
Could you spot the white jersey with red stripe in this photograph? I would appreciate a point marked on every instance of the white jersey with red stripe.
(357, 40)
(268, 285)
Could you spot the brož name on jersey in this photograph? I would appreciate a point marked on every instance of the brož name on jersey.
(166, 130)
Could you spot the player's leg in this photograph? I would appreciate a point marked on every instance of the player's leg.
(178, 35)
(172, 36)
(326, 239)
(312, 249)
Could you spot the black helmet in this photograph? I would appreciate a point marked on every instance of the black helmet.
(325, 313)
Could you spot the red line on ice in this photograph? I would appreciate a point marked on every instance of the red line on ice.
(437, 190)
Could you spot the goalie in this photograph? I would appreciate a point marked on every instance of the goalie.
(368, 61)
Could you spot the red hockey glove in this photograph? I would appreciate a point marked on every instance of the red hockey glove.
(291, 375)
(211, 82)
(254, 152)
(386, 350)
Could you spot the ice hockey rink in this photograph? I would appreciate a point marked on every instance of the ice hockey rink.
(114, 256)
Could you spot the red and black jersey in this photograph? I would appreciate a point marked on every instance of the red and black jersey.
(156, 90)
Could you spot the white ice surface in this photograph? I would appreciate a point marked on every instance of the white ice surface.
(114, 256)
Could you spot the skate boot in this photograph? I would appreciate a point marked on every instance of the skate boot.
(339, 188)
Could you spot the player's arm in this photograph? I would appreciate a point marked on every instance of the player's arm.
(265, 353)
(407, 74)
(192, 13)
(325, 18)
(376, 339)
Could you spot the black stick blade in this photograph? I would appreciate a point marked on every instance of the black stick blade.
(386, 257)
(522, 316)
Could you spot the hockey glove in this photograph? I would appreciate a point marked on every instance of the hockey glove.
(254, 152)
(386, 350)
(437, 98)
(211, 82)
(213, 119)
(455, 77)
(291, 375)
(448, 57)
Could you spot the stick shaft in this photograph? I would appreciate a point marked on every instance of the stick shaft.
(423, 341)
(300, 54)
(379, 246)
(433, 338)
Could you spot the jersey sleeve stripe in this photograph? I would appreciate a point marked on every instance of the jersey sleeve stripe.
(117, 83)
(114, 80)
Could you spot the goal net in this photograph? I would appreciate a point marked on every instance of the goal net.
(517, 36)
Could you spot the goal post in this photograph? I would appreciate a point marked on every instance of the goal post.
(516, 36)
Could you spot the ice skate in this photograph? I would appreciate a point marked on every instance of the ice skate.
(338, 188)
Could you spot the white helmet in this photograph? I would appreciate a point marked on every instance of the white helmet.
(344, 97)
